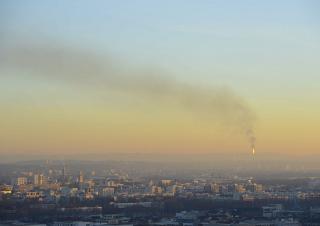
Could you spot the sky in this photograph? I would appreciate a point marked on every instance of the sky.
(159, 77)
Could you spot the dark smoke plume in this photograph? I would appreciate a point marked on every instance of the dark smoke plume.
(76, 67)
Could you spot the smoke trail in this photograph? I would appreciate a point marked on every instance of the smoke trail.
(76, 67)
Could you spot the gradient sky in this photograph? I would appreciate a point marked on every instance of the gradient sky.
(266, 52)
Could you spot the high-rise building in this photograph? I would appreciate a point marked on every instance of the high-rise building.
(64, 174)
(80, 178)
(21, 181)
(39, 179)
(36, 179)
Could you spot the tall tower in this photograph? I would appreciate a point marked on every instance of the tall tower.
(64, 175)
(80, 179)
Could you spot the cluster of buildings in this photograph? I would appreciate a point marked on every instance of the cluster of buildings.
(55, 184)
(56, 189)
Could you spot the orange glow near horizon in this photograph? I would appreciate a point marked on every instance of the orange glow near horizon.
(93, 127)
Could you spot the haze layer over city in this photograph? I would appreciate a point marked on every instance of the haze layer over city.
(159, 112)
